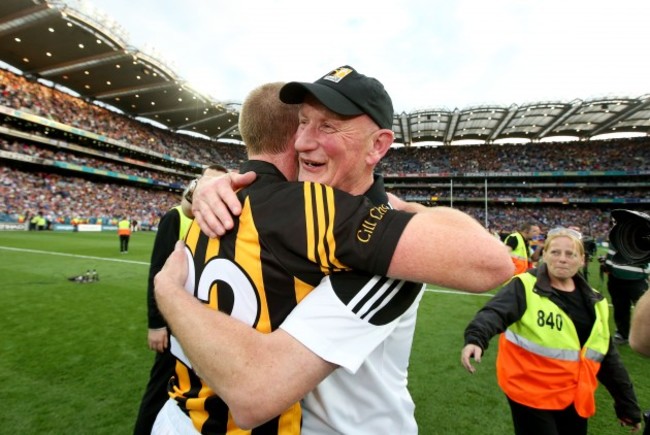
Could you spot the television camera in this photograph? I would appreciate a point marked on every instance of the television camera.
(630, 237)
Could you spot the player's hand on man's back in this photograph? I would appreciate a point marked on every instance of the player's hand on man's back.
(215, 202)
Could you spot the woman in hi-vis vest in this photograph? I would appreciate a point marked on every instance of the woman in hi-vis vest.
(555, 345)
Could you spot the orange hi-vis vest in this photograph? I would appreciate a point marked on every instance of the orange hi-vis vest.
(124, 228)
(519, 255)
(540, 363)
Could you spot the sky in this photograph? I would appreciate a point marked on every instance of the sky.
(439, 54)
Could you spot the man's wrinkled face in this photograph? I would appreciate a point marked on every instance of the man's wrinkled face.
(333, 149)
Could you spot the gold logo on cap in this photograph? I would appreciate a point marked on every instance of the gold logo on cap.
(338, 74)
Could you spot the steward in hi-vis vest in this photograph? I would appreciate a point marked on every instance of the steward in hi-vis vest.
(541, 362)
(124, 233)
(554, 348)
(519, 254)
(124, 227)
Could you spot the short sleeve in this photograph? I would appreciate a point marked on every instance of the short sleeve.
(342, 333)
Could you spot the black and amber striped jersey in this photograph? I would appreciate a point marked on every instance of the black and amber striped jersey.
(287, 238)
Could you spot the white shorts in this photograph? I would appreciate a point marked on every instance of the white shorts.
(172, 421)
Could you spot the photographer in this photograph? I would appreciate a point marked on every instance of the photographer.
(626, 284)
(630, 240)
(627, 266)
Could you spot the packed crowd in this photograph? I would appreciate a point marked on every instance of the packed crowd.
(504, 219)
(556, 195)
(632, 154)
(61, 155)
(66, 199)
(19, 93)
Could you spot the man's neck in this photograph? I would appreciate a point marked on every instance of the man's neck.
(361, 184)
(284, 162)
(362, 187)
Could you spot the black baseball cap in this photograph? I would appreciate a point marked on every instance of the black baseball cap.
(346, 92)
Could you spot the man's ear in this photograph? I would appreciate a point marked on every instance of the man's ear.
(381, 144)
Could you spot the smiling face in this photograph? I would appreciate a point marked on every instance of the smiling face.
(563, 256)
(336, 150)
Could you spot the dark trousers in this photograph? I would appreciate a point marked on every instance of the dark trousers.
(623, 294)
(155, 394)
(532, 421)
(124, 243)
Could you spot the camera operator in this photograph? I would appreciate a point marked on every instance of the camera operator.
(630, 240)
(627, 266)
(626, 284)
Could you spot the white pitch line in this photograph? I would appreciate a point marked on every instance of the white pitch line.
(454, 292)
(63, 254)
(458, 292)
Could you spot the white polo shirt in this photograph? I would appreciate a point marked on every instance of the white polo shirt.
(365, 325)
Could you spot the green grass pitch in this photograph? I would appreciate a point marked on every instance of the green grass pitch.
(74, 360)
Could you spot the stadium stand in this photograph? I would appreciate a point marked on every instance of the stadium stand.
(82, 163)
(564, 183)
(112, 72)
(62, 151)
(78, 162)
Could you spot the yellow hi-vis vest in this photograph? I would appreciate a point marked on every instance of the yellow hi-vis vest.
(124, 228)
(185, 223)
(540, 363)
(519, 255)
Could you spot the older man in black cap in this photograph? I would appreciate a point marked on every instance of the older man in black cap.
(358, 323)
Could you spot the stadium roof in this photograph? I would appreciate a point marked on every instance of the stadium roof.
(87, 54)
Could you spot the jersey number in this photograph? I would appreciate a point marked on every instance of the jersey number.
(246, 305)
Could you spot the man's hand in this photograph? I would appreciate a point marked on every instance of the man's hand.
(214, 202)
(171, 278)
(409, 207)
(158, 339)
